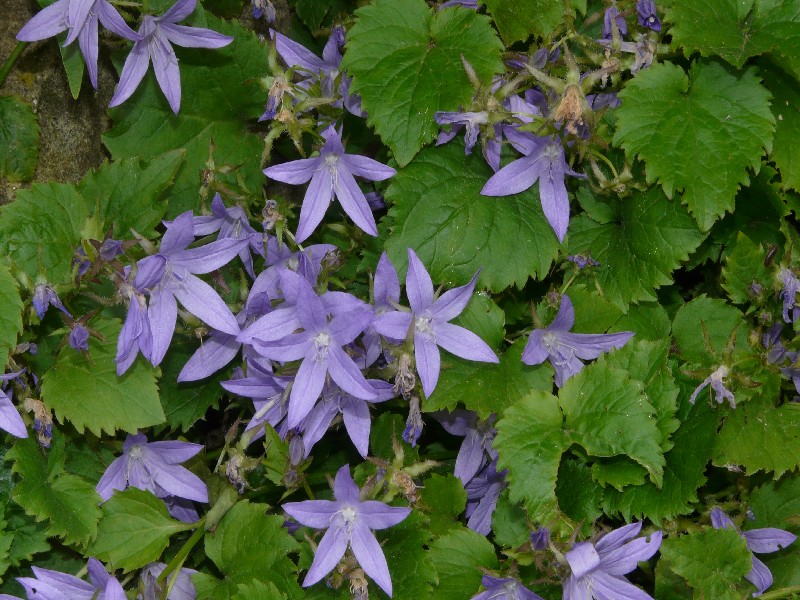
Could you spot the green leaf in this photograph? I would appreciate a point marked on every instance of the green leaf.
(744, 266)
(458, 558)
(312, 12)
(715, 316)
(530, 442)
(128, 191)
(87, 392)
(484, 387)
(518, 19)
(19, 139)
(406, 64)
(681, 125)
(443, 500)
(786, 109)
(10, 314)
(760, 437)
(27, 536)
(619, 473)
(186, 403)
(410, 563)
(73, 64)
(578, 495)
(248, 542)
(713, 562)
(684, 473)
(609, 414)
(135, 530)
(483, 317)
(41, 229)
(69, 503)
(213, 108)
(439, 212)
(634, 260)
(741, 29)
(649, 320)
(509, 523)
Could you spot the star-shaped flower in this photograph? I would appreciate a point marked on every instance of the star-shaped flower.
(564, 349)
(430, 318)
(154, 466)
(476, 450)
(349, 522)
(54, 585)
(332, 175)
(721, 393)
(506, 588)
(80, 17)
(760, 541)
(598, 568)
(157, 36)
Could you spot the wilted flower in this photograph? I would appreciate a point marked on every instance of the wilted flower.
(44, 297)
(791, 285)
(564, 349)
(540, 538)
(611, 16)
(598, 569)
(721, 393)
(506, 588)
(760, 541)
(349, 522)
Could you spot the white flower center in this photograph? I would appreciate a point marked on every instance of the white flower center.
(135, 453)
(348, 514)
(322, 341)
(552, 151)
(423, 325)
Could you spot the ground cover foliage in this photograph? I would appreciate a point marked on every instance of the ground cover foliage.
(403, 298)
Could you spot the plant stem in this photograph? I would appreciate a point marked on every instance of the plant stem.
(9, 64)
(787, 592)
(178, 559)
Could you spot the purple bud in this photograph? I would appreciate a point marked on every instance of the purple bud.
(110, 249)
(646, 11)
(79, 338)
(43, 297)
(583, 260)
(296, 450)
(83, 263)
(540, 538)
(612, 15)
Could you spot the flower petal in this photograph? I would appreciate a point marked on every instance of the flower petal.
(162, 314)
(165, 65)
(294, 172)
(194, 37)
(10, 419)
(347, 375)
(181, 482)
(312, 513)
(316, 201)
(624, 559)
(307, 387)
(330, 551)
(133, 72)
(768, 539)
(214, 353)
(419, 287)
(203, 302)
(355, 414)
(583, 559)
(514, 178)
(370, 556)
(463, 343)
(179, 11)
(353, 201)
(367, 168)
(46, 23)
(760, 576)
(452, 303)
(114, 478)
(345, 489)
(428, 362)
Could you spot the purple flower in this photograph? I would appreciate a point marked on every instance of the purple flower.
(760, 541)
(111, 249)
(791, 285)
(80, 18)
(44, 297)
(472, 120)
(776, 352)
(612, 15)
(464, 3)
(430, 318)
(583, 260)
(154, 466)
(644, 48)
(182, 589)
(476, 450)
(721, 393)
(349, 522)
(540, 539)
(157, 34)
(54, 585)
(264, 8)
(506, 588)
(544, 160)
(319, 345)
(170, 275)
(79, 338)
(566, 350)
(10, 419)
(385, 297)
(598, 569)
(646, 11)
(135, 334)
(331, 175)
(483, 490)
(354, 411)
(231, 223)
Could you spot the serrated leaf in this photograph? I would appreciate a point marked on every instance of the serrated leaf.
(41, 230)
(648, 320)
(249, 542)
(127, 193)
(312, 12)
(10, 314)
(69, 503)
(530, 442)
(87, 392)
(716, 317)
(639, 249)
(213, 108)
(744, 267)
(27, 536)
(487, 388)
(135, 530)
(713, 562)
(786, 109)
(760, 437)
(741, 29)
(578, 495)
(443, 500)
(619, 473)
(518, 19)
(509, 523)
(439, 212)
(458, 558)
(406, 64)
(608, 413)
(19, 139)
(186, 403)
(681, 125)
(410, 566)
